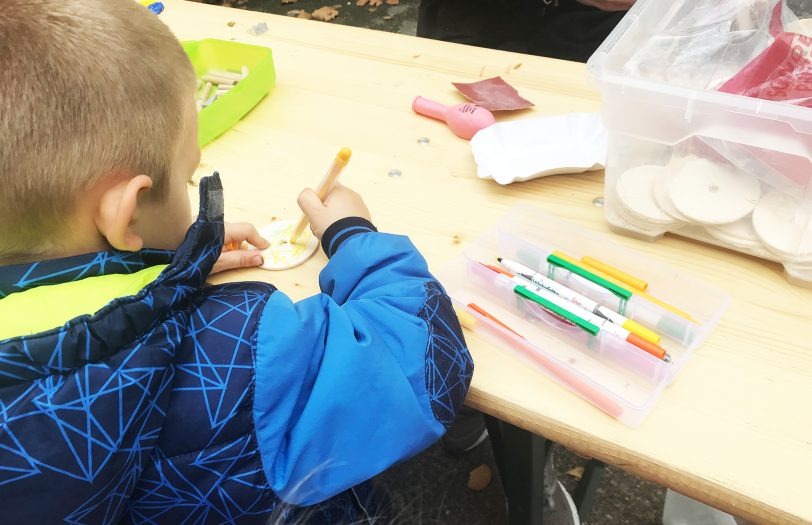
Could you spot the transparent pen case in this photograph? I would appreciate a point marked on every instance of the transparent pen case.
(614, 375)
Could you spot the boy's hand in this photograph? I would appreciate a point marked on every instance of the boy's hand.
(233, 256)
(342, 202)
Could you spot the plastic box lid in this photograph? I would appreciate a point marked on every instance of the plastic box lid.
(682, 50)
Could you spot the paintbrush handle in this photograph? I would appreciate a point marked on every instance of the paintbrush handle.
(325, 187)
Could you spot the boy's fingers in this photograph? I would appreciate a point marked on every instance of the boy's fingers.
(253, 237)
(238, 232)
(337, 189)
(237, 259)
(309, 202)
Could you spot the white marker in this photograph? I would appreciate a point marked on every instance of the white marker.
(600, 324)
(584, 302)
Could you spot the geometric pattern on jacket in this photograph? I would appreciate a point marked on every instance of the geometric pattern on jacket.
(110, 395)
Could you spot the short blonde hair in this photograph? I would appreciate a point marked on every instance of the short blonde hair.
(89, 87)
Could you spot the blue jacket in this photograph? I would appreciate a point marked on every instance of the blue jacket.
(189, 403)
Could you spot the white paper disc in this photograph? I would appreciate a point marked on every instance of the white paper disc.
(282, 253)
(784, 224)
(739, 234)
(635, 189)
(663, 200)
(709, 193)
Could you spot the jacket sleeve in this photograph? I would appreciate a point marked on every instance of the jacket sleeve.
(365, 374)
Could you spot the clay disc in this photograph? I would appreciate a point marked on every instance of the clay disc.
(635, 189)
(283, 254)
(663, 200)
(709, 193)
(739, 234)
(785, 226)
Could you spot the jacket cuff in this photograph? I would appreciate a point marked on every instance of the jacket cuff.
(343, 229)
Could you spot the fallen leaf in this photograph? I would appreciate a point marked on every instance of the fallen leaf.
(480, 478)
(387, 17)
(299, 13)
(305, 15)
(231, 24)
(576, 472)
(375, 3)
(361, 3)
(325, 14)
(289, 2)
(392, 2)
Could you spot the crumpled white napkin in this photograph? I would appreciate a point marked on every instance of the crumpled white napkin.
(521, 150)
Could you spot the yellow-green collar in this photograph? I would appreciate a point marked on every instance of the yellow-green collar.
(45, 307)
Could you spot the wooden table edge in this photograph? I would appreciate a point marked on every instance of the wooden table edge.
(592, 446)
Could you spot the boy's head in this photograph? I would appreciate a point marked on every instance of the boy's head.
(98, 129)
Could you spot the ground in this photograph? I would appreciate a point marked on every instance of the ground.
(431, 489)
(398, 18)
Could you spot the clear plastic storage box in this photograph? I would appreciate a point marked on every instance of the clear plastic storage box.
(687, 158)
(617, 377)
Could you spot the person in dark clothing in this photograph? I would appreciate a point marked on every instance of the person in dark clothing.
(565, 29)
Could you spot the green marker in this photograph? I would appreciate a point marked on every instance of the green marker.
(619, 291)
(561, 312)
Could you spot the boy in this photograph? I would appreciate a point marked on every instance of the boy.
(130, 392)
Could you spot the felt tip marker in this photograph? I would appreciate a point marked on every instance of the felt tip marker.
(486, 315)
(611, 271)
(585, 319)
(620, 289)
(584, 302)
(560, 372)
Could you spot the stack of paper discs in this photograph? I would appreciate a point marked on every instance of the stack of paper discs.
(784, 224)
(663, 199)
(635, 193)
(740, 235)
(727, 204)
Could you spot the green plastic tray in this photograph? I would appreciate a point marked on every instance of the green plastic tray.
(228, 109)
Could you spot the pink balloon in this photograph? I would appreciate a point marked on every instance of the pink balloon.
(463, 119)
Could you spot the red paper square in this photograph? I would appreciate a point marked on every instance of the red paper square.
(493, 94)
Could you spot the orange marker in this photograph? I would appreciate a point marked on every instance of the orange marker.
(486, 315)
(497, 269)
(561, 373)
(591, 323)
(652, 348)
(233, 245)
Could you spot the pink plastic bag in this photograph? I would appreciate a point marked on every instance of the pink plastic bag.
(782, 72)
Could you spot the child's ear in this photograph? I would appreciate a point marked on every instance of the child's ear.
(116, 213)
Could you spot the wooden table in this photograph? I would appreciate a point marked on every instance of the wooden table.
(734, 430)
